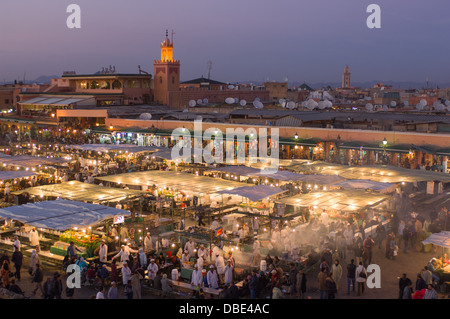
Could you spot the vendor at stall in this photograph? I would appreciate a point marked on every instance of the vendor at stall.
(103, 252)
(152, 269)
(185, 257)
(123, 254)
(148, 244)
(190, 247)
(72, 250)
(197, 277)
(34, 239)
(202, 252)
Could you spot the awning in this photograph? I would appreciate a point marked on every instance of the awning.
(7, 175)
(32, 161)
(347, 200)
(60, 214)
(237, 170)
(367, 184)
(115, 147)
(180, 181)
(254, 193)
(441, 239)
(307, 178)
(78, 191)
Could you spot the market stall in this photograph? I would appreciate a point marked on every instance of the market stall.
(75, 190)
(60, 222)
(367, 185)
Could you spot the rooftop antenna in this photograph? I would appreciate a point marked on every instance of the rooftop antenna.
(209, 67)
(172, 35)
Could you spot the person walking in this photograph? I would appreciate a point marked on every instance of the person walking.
(407, 292)
(322, 278)
(253, 285)
(336, 269)
(136, 283)
(17, 259)
(368, 244)
(301, 284)
(403, 282)
(34, 260)
(420, 283)
(38, 277)
(331, 287)
(113, 292)
(361, 278)
(351, 276)
(56, 286)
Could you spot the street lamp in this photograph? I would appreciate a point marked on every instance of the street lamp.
(384, 142)
(296, 136)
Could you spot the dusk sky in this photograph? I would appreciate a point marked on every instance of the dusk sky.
(246, 40)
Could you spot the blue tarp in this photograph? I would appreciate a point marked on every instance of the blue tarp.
(6, 175)
(60, 214)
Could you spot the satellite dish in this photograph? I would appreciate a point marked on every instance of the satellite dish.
(290, 105)
(257, 99)
(327, 96)
(322, 105)
(205, 101)
(405, 102)
(311, 104)
(243, 102)
(145, 116)
(192, 103)
(329, 104)
(258, 104)
(281, 101)
(369, 107)
(229, 100)
(423, 102)
(236, 100)
(185, 111)
(199, 101)
(231, 87)
(393, 104)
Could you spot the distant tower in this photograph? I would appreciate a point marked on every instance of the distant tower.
(346, 77)
(166, 73)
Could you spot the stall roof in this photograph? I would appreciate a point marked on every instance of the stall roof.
(391, 174)
(347, 200)
(441, 239)
(32, 161)
(75, 190)
(367, 184)
(237, 169)
(254, 193)
(6, 175)
(308, 178)
(115, 147)
(184, 182)
(383, 174)
(60, 214)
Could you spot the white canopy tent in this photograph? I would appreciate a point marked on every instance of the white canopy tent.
(441, 239)
(185, 182)
(367, 184)
(60, 214)
(254, 193)
(347, 200)
(75, 190)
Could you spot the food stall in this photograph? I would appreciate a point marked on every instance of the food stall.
(58, 223)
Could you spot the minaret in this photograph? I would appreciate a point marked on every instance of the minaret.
(166, 73)
(346, 77)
